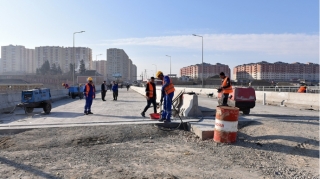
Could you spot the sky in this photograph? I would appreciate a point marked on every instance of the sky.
(234, 32)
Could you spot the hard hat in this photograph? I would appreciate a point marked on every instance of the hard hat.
(158, 74)
(89, 79)
(62, 84)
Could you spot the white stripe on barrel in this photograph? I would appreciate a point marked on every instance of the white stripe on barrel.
(226, 124)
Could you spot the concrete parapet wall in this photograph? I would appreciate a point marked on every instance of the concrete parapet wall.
(297, 100)
(10, 100)
(289, 99)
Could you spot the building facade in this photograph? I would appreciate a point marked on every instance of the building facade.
(119, 66)
(101, 67)
(16, 59)
(195, 71)
(63, 57)
(278, 71)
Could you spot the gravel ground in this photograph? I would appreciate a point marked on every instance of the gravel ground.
(264, 149)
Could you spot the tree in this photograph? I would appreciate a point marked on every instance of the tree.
(54, 69)
(71, 67)
(82, 67)
(44, 69)
(59, 71)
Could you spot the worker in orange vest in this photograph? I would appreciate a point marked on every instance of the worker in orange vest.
(167, 92)
(90, 94)
(225, 88)
(66, 86)
(302, 89)
(151, 95)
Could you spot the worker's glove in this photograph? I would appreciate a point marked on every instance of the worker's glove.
(219, 90)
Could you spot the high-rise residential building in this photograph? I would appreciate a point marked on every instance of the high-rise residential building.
(119, 65)
(15, 59)
(278, 71)
(30, 60)
(134, 73)
(80, 53)
(195, 71)
(101, 67)
(63, 57)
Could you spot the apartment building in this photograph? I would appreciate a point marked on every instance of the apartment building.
(15, 59)
(101, 67)
(195, 71)
(134, 73)
(63, 57)
(30, 62)
(278, 71)
(119, 65)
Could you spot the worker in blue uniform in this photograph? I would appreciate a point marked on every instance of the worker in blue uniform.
(167, 92)
(90, 94)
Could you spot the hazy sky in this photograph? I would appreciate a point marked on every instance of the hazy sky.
(234, 31)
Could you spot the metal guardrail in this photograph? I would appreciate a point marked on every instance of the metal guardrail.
(293, 89)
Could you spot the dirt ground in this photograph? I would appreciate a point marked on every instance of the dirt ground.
(145, 151)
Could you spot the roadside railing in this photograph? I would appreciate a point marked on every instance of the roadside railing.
(293, 89)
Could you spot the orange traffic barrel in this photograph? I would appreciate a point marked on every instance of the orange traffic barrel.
(226, 124)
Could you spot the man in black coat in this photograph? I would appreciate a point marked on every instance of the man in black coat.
(103, 90)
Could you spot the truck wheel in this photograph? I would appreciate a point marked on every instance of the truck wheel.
(246, 111)
(73, 96)
(47, 108)
(28, 110)
(81, 96)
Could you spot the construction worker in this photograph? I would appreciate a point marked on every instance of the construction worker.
(103, 90)
(225, 88)
(115, 90)
(167, 92)
(66, 86)
(89, 93)
(151, 95)
(302, 89)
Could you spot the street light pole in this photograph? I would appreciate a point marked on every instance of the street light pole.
(74, 58)
(170, 63)
(156, 67)
(202, 57)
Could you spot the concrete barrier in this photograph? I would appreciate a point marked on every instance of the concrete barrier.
(296, 100)
(10, 100)
(289, 99)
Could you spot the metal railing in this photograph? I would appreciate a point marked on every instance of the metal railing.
(293, 89)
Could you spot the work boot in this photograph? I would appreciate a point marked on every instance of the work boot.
(85, 113)
(143, 114)
(90, 112)
(162, 119)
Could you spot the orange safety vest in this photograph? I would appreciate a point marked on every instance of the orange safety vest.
(302, 89)
(170, 88)
(226, 90)
(150, 92)
(88, 89)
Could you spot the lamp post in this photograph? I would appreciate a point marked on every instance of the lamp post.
(95, 74)
(156, 68)
(74, 58)
(202, 57)
(170, 63)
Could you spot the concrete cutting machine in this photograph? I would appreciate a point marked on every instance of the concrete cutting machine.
(243, 98)
(36, 98)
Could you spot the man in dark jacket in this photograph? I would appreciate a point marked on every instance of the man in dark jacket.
(115, 90)
(103, 90)
(151, 95)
